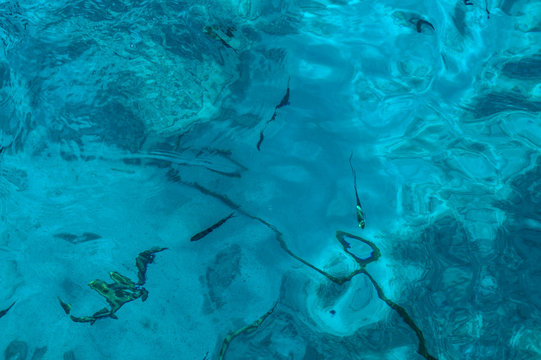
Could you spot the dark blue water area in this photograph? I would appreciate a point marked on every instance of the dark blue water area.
(237, 179)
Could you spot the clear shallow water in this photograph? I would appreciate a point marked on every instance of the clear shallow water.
(126, 126)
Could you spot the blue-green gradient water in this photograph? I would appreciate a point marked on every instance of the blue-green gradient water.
(127, 125)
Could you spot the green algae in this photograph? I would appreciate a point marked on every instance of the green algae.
(121, 291)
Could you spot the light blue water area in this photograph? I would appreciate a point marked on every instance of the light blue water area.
(131, 126)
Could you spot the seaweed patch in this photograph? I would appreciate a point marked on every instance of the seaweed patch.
(121, 291)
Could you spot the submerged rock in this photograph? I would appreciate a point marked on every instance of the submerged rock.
(221, 274)
(16, 350)
(69, 355)
(39, 353)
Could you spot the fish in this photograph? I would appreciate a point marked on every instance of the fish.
(207, 231)
(5, 311)
(76, 239)
(359, 208)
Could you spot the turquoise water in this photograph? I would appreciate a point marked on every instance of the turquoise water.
(133, 126)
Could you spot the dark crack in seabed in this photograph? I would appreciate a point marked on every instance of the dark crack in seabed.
(283, 102)
(342, 237)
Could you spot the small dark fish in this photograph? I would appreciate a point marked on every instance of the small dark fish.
(261, 137)
(205, 232)
(4, 312)
(467, 2)
(422, 22)
(360, 213)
